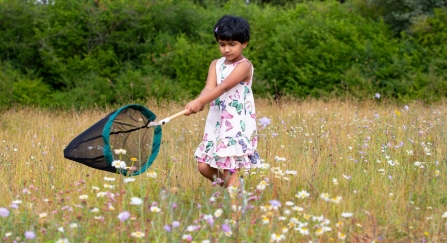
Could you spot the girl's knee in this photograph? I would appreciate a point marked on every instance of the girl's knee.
(203, 168)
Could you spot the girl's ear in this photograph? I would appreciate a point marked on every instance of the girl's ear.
(244, 44)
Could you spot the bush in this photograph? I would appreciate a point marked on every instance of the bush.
(85, 53)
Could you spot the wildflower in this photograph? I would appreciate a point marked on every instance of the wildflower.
(209, 218)
(346, 215)
(152, 174)
(175, 224)
(264, 121)
(109, 178)
(63, 241)
(187, 237)
(437, 173)
(218, 213)
(8, 234)
(83, 197)
(277, 158)
(73, 225)
(119, 164)
(298, 209)
(95, 188)
(232, 190)
(137, 234)
(155, 209)
(120, 151)
(261, 185)
(123, 216)
(61, 229)
(291, 172)
(336, 200)
(289, 203)
(377, 96)
(167, 228)
(277, 238)
(335, 181)
(318, 218)
(303, 230)
(302, 194)
(339, 224)
(319, 232)
(17, 202)
(341, 236)
(4, 212)
(347, 177)
(325, 196)
(43, 215)
(136, 201)
(101, 194)
(275, 204)
(226, 229)
(30, 235)
(129, 179)
(307, 216)
(406, 108)
(94, 210)
(265, 220)
(444, 215)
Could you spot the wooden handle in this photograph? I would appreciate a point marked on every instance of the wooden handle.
(181, 113)
(168, 119)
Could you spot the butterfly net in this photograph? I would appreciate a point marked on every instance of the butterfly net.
(122, 136)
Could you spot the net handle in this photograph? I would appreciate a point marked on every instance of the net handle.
(168, 119)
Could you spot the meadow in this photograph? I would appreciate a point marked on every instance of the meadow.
(336, 171)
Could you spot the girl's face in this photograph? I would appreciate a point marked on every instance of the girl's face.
(232, 50)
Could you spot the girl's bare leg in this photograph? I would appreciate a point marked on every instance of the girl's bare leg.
(232, 179)
(209, 172)
(229, 179)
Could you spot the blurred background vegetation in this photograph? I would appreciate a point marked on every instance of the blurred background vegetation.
(84, 53)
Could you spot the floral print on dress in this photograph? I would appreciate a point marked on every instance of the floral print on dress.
(230, 138)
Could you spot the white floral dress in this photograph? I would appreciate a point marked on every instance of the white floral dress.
(230, 138)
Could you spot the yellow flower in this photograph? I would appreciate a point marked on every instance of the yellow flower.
(341, 236)
(339, 224)
(319, 232)
(265, 220)
(133, 159)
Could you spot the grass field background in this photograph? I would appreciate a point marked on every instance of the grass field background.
(333, 171)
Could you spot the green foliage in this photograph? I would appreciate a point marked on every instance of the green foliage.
(7, 77)
(86, 53)
(400, 14)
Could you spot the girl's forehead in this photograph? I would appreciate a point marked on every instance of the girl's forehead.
(227, 41)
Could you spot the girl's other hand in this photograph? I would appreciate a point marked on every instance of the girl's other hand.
(193, 107)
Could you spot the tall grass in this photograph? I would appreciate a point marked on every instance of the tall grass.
(374, 172)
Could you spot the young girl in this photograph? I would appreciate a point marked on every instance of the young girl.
(230, 138)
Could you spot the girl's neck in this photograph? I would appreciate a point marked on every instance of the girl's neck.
(226, 62)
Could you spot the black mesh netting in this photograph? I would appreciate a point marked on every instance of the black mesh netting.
(125, 129)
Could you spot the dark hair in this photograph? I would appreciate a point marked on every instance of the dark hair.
(232, 28)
